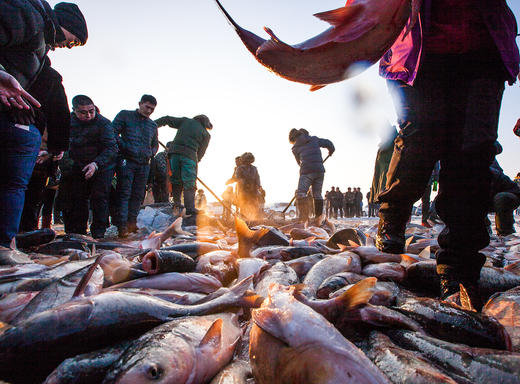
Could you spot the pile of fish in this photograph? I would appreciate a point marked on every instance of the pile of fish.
(251, 304)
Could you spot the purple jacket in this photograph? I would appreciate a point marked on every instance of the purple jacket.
(402, 61)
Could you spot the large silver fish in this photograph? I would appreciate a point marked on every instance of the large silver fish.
(361, 32)
(291, 343)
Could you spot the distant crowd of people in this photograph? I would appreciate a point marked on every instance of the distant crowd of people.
(348, 204)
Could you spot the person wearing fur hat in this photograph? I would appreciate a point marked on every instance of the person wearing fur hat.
(29, 29)
(249, 187)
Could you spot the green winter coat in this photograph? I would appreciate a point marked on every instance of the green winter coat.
(192, 138)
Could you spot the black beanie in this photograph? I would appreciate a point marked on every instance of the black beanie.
(70, 17)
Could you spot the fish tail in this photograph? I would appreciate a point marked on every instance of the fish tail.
(465, 301)
(82, 285)
(248, 298)
(359, 294)
(246, 237)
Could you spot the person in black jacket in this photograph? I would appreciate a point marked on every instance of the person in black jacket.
(93, 151)
(29, 28)
(138, 142)
(306, 150)
(54, 122)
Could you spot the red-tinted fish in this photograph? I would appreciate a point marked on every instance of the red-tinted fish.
(361, 32)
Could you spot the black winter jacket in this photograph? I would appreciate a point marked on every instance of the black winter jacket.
(307, 152)
(26, 28)
(54, 115)
(136, 136)
(92, 141)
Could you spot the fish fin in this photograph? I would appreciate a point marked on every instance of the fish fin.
(408, 242)
(341, 16)
(353, 244)
(213, 337)
(343, 247)
(465, 301)
(359, 294)
(247, 237)
(314, 88)
(242, 286)
(177, 225)
(274, 43)
(310, 239)
(407, 260)
(298, 288)
(425, 253)
(82, 285)
(513, 268)
(251, 300)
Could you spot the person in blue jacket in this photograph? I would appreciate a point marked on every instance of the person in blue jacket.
(307, 152)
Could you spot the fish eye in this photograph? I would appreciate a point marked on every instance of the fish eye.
(154, 372)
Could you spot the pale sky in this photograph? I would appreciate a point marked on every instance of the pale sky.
(185, 54)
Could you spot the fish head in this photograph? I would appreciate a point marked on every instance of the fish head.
(159, 365)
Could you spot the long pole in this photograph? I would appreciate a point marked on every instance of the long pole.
(230, 209)
(294, 197)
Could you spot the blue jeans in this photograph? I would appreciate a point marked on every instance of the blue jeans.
(19, 149)
(314, 180)
(131, 188)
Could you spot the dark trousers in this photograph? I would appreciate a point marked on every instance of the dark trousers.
(18, 152)
(160, 191)
(80, 192)
(349, 210)
(357, 209)
(131, 188)
(372, 209)
(504, 204)
(33, 200)
(48, 201)
(450, 114)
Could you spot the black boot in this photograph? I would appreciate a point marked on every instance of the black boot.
(189, 203)
(390, 236)
(318, 208)
(303, 212)
(451, 278)
(176, 194)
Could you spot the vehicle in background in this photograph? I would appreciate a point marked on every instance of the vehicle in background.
(279, 207)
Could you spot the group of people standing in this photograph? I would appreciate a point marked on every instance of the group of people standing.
(107, 158)
(348, 204)
(97, 163)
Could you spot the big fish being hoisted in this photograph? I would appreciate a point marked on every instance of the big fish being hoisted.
(362, 31)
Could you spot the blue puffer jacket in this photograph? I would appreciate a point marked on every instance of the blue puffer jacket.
(307, 152)
(136, 136)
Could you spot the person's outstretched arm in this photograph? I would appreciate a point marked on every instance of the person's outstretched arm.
(170, 121)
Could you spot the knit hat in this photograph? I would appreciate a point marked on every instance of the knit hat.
(70, 17)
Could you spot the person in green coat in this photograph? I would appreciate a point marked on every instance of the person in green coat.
(188, 148)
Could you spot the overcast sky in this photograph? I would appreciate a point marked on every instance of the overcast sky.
(185, 54)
